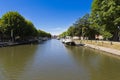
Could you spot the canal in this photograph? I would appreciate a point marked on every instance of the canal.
(51, 60)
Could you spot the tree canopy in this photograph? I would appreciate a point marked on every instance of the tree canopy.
(13, 22)
(105, 17)
(42, 33)
(81, 28)
(104, 20)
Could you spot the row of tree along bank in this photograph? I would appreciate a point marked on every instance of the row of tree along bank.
(104, 20)
(14, 27)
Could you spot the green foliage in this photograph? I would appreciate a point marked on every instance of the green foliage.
(1, 28)
(107, 35)
(104, 20)
(43, 34)
(80, 28)
(63, 35)
(13, 21)
(71, 31)
(105, 16)
(30, 29)
(16, 23)
(0, 22)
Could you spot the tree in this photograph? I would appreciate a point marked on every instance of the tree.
(13, 21)
(81, 28)
(42, 33)
(1, 30)
(83, 24)
(71, 31)
(0, 22)
(63, 35)
(105, 17)
(29, 30)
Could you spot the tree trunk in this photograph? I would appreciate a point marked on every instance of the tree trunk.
(115, 36)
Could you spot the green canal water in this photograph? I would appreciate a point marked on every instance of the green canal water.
(51, 60)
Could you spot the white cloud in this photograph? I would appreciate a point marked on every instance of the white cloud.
(57, 31)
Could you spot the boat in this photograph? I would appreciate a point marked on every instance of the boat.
(44, 38)
(69, 42)
(63, 40)
(58, 38)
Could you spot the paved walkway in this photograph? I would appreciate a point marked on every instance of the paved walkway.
(109, 50)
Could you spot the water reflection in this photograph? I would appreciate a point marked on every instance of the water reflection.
(14, 61)
(99, 66)
(51, 60)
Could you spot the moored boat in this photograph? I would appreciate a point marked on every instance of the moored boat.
(63, 40)
(69, 42)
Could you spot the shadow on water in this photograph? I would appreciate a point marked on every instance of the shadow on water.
(14, 61)
(99, 65)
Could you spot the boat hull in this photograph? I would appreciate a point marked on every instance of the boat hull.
(70, 43)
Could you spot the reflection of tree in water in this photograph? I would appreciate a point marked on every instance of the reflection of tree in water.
(13, 60)
(99, 66)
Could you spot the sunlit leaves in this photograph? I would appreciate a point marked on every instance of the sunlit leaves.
(13, 21)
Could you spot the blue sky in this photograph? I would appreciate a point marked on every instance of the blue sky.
(54, 16)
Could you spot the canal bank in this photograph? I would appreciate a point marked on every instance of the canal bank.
(5, 44)
(105, 49)
(109, 50)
